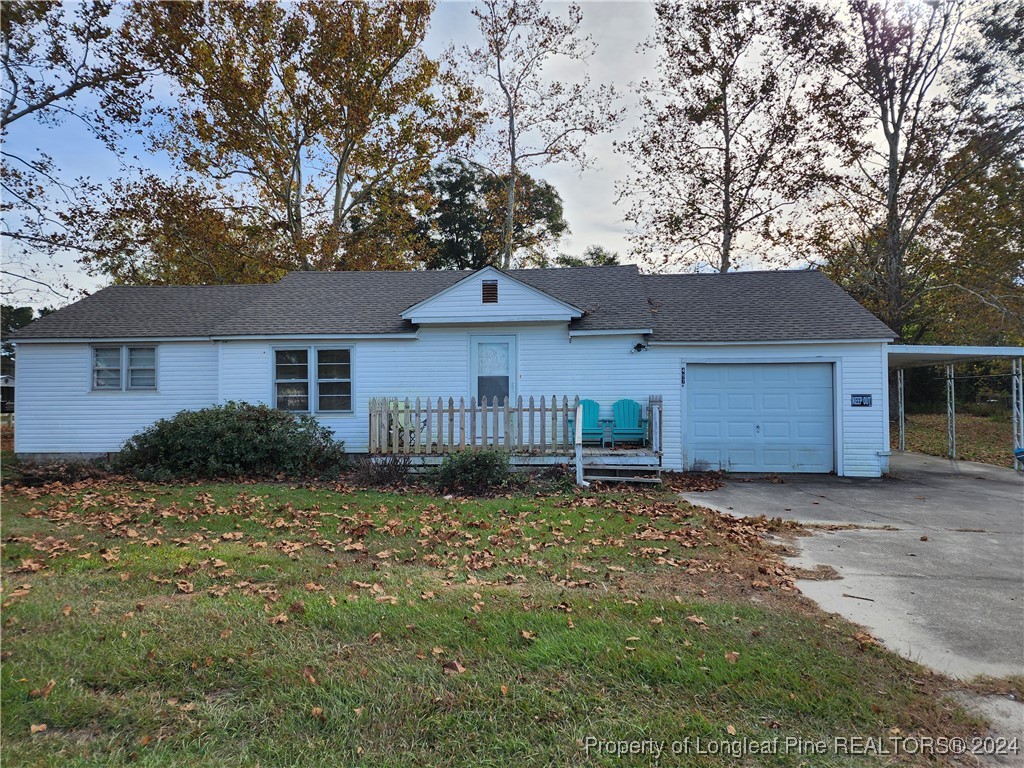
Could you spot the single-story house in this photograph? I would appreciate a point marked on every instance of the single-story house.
(751, 371)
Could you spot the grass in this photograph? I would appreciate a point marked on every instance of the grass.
(268, 624)
(988, 439)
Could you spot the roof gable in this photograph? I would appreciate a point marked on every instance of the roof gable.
(514, 301)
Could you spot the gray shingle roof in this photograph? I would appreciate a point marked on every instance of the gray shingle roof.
(372, 302)
(135, 311)
(757, 306)
(744, 306)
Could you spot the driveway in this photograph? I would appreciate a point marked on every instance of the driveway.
(945, 588)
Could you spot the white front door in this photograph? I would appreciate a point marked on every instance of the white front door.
(493, 368)
(764, 417)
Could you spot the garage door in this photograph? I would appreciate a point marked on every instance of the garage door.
(760, 417)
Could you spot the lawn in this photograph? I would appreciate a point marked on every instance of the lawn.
(271, 624)
(988, 439)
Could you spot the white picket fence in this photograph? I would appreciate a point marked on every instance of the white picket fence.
(444, 425)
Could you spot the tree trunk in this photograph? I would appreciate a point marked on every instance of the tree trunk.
(726, 251)
(893, 242)
(506, 255)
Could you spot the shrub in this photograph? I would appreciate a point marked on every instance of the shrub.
(471, 471)
(231, 440)
(382, 472)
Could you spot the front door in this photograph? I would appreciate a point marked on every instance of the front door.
(493, 366)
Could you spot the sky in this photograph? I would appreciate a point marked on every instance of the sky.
(617, 28)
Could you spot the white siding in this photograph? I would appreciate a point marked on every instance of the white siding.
(516, 302)
(437, 364)
(58, 412)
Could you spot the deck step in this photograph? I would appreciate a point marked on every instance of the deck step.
(624, 467)
(622, 479)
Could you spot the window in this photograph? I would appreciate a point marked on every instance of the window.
(313, 380)
(291, 379)
(141, 368)
(119, 368)
(334, 380)
(489, 292)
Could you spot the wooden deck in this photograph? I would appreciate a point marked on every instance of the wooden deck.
(536, 432)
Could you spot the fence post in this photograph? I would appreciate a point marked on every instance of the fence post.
(472, 422)
(578, 445)
(543, 426)
(462, 423)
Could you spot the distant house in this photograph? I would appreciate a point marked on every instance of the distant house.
(6, 394)
(751, 371)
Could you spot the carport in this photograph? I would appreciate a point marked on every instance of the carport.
(903, 356)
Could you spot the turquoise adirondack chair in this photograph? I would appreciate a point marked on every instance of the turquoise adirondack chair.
(629, 425)
(593, 430)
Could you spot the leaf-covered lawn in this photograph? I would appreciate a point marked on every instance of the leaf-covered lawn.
(978, 438)
(242, 624)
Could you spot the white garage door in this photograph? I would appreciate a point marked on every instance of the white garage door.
(760, 417)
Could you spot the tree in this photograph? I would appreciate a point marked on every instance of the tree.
(924, 107)
(299, 113)
(152, 231)
(536, 121)
(11, 319)
(975, 290)
(59, 61)
(465, 220)
(593, 256)
(727, 141)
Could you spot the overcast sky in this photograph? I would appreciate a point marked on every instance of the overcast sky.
(617, 29)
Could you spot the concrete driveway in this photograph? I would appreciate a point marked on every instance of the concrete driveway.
(953, 601)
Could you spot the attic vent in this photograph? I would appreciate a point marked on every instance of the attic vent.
(489, 292)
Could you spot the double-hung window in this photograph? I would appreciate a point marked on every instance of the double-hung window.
(291, 379)
(123, 367)
(313, 379)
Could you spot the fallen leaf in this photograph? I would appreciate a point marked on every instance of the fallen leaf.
(731, 730)
(732, 657)
(864, 640)
(452, 668)
(279, 619)
(66, 610)
(44, 692)
(307, 673)
(694, 619)
(37, 728)
(657, 620)
(225, 634)
(318, 713)
(185, 587)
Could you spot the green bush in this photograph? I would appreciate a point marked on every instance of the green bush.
(231, 440)
(471, 472)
